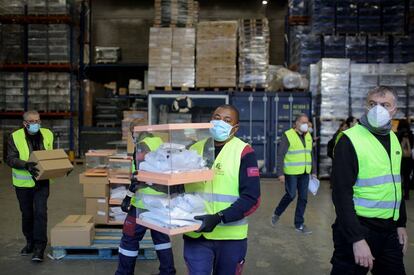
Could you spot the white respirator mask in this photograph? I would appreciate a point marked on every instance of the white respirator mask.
(378, 116)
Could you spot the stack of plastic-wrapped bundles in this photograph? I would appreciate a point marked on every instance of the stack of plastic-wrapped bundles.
(253, 52)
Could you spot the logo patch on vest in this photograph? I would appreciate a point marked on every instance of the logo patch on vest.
(398, 152)
(253, 172)
(218, 169)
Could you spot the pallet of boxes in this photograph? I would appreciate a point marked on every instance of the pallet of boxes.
(105, 183)
(216, 54)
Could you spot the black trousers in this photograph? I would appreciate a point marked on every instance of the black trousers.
(33, 206)
(406, 169)
(385, 247)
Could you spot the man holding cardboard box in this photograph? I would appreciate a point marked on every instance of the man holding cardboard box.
(32, 194)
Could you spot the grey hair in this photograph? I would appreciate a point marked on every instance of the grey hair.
(382, 91)
(300, 116)
(29, 113)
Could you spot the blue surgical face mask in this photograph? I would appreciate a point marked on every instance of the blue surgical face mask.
(33, 128)
(221, 130)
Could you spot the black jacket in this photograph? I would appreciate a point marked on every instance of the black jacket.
(344, 175)
(35, 143)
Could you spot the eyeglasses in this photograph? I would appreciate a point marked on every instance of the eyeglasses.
(32, 121)
(386, 105)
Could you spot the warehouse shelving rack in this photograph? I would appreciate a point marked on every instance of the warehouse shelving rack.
(26, 67)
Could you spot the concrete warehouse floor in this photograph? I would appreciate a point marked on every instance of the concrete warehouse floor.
(278, 250)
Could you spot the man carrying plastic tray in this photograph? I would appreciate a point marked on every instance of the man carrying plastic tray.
(220, 244)
(133, 233)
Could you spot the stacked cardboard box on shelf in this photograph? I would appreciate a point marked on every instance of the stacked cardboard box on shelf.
(183, 57)
(253, 53)
(160, 54)
(216, 54)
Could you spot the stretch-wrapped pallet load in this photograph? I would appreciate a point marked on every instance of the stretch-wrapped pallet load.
(183, 57)
(395, 76)
(160, 57)
(333, 88)
(216, 54)
(364, 77)
(253, 53)
(177, 13)
(12, 90)
(48, 43)
(305, 48)
(333, 99)
(49, 92)
(410, 83)
(11, 43)
(12, 7)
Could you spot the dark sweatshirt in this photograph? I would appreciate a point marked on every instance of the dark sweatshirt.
(344, 175)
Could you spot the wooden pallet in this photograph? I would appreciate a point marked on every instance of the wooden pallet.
(252, 89)
(170, 88)
(104, 247)
(298, 20)
(216, 89)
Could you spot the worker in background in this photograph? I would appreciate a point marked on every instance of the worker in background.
(220, 245)
(31, 193)
(345, 125)
(406, 138)
(295, 164)
(369, 231)
(133, 233)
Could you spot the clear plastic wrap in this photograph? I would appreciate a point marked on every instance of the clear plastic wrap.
(253, 52)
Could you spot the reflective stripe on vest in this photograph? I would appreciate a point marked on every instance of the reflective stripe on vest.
(377, 191)
(298, 159)
(153, 143)
(222, 191)
(21, 177)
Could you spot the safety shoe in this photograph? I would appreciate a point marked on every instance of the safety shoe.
(303, 229)
(38, 255)
(275, 219)
(28, 249)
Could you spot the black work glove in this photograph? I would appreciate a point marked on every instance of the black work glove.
(126, 202)
(31, 168)
(209, 222)
(133, 187)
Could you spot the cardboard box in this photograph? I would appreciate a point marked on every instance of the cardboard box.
(75, 230)
(51, 163)
(82, 219)
(94, 187)
(98, 207)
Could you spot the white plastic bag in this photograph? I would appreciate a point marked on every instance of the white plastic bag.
(313, 185)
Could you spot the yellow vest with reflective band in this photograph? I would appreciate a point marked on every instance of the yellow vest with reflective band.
(377, 191)
(298, 159)
(223, 191)
(21, 177)
(153, 143)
